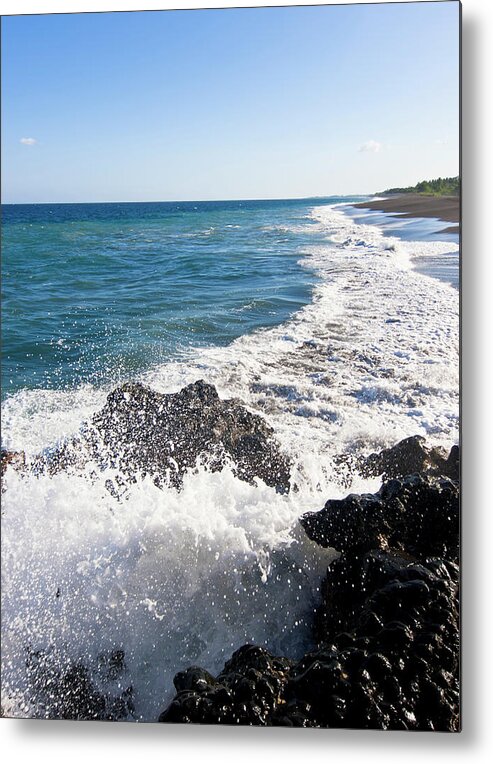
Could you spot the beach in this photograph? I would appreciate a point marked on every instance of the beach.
(230, 458)
(134, 554)
(445, 208)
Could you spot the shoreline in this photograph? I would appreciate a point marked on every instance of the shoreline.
(446, 208)
(320, 369)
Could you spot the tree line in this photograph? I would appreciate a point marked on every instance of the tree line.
(438, 187)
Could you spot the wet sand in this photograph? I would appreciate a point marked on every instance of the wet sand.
(445, 208)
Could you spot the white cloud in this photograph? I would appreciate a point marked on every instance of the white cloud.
(373, 146)
(28, 141)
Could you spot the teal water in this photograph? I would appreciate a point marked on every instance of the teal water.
(100, 292)
(316, 321)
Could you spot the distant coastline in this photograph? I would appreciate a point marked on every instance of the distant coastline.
(445, 208)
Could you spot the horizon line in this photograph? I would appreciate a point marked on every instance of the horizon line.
(200, 201)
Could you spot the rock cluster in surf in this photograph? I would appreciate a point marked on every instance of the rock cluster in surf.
(141, 432)
(16, 459)
(409, 456)
(69, 690)
(387, 630)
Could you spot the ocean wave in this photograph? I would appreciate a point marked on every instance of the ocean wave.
(178, 577)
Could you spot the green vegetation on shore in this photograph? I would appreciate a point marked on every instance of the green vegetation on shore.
(437, 187)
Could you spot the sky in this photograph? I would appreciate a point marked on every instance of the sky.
(229, 104)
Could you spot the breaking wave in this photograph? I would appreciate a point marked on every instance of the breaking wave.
(166, 578)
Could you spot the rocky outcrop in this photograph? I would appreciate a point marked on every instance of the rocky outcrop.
(11, 460)
(69, 690)
(15, 459)
(410, 456)
(397, 620)
(142, 432)
(387, 658)
(418, 515)
(247, 692)
(386, 631)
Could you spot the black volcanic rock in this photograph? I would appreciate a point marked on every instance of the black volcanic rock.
(418, 514)
(409, 456)
(16, 459)
(395, 624)
(386, 631)
(142, 432)
(387, 658)
(68, 690)
(247, 691)
(364, 592)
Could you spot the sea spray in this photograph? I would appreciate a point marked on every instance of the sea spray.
(170, 578)
(372, 359)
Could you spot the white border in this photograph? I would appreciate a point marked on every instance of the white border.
(74, 6)
(120, 743)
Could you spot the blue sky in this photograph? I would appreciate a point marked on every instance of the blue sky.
(223, 104)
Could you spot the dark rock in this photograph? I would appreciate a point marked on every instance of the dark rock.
(402, 673)
(68, 690)
(387, 629)
(142, 432)
(418, 515)
(452, 466)
(364, 593)
(416, 645)
(193, 678)
(247, 692)
(16, 459)
(411, 456)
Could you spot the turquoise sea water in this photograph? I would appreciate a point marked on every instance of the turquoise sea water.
(323, 321)
(99, 292)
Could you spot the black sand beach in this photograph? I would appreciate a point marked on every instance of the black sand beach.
(420, 206)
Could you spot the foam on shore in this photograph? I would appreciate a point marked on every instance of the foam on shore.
(180, 578)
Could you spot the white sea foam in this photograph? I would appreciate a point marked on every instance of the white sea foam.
(184, 578)
(171, 578)
(372, 359)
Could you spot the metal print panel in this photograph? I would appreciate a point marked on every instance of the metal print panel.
(230, 366)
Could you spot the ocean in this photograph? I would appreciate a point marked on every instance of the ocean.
(98, 293)
(338, 326)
